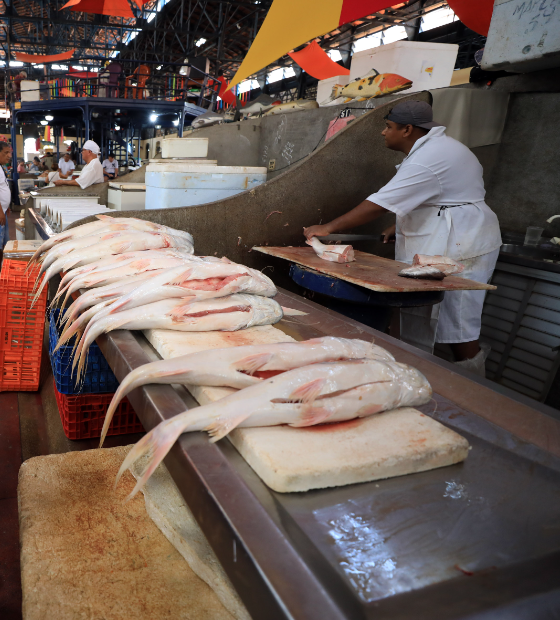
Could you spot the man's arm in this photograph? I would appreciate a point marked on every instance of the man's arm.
(365, 212)
(67, 183)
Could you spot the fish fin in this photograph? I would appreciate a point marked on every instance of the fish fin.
(308, 392)
(220, 428)
(179, 311)
(111, 235)
(180, 279)
(252, 363)
(347, 100)
(121, 248)
(292, 312)
(156, 444)
(312, 416)
(361, 98)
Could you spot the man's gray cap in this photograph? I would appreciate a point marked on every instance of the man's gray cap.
(417, 113)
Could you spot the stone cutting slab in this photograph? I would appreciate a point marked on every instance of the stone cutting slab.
(85, 554)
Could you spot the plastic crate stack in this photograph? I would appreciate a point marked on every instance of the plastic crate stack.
(83, 406)
(21, 327)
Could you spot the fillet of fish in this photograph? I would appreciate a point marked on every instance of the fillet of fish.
(333, 253)
(241, 367)
(324, 392)
(446, 265)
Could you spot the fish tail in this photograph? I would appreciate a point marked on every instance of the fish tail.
(156, 444)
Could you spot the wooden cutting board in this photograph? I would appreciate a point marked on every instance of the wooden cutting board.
(373, 272)
(394, 443)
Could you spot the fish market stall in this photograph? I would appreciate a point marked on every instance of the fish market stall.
(453, 514)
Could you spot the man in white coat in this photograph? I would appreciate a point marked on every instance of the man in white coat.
(5, 193)
(92, 172)
(438, 198)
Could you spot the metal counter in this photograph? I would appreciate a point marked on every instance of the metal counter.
(475, 540)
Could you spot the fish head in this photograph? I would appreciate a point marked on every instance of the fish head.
(392, 83)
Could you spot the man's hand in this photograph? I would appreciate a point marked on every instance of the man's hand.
(2, 217)
(389, 234)
(317, 231)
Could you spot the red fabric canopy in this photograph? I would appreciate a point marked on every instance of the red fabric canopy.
(317, 62)
(475, 14)
(43, 59)
(117, 8)
(226, 95)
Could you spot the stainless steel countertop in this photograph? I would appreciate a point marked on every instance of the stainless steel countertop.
(475, 540)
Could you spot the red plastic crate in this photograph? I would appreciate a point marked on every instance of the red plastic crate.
(83, 415)
(21, 327)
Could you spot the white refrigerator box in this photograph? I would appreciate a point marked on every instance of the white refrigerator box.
(324, 87)
(523, 36)
(126, 196)
(184, 147)
(29, 90)
(428, 65)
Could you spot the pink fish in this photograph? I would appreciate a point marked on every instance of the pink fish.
(329, 392)
(241, 367)
(333, 253)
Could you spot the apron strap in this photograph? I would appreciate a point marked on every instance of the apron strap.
(444, 207)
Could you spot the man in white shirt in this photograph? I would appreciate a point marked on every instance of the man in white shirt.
(110, 167)
(438, 198)
(5, 193)
(65, 166)
(92, 172)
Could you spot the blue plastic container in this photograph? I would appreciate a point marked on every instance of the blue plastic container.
(98, 378)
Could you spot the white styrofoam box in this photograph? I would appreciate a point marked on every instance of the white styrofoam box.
(186, 185)
(29, 90)
(475, 117)
(324, 87)
(428, 65)
(184, 147)
(126, 196)
(40, 200)
(523, 36)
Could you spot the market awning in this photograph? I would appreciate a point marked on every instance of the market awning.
(43, 59)
(116, 8)
(317, 62)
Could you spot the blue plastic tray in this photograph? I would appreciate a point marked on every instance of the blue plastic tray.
(99, 377)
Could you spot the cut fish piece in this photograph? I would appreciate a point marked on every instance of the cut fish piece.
(333, 253)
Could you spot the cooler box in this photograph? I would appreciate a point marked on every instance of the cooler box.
(30, 90)
(126, 196)
(187, 185)
(428, 65)
(184, 147)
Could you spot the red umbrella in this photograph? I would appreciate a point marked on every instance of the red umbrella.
(117, 8)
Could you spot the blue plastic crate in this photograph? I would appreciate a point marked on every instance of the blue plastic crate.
(98, 378)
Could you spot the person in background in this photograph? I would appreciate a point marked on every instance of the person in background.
(47, 160)
(110, 167)
(66, 166)
(35, 165)
(92, 172)
(5, 193)
(22, 75)
(51, 176)
(22, 168)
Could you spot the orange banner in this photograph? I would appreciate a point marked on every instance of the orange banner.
(317, 62)
(43, 59)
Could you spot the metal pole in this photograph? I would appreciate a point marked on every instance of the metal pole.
(139, 138)
(181, 122)
(15, 175)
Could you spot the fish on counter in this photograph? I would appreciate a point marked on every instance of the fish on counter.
(243, 366)
(431, 267)
(373, 84)
(315, 394)
(229, 313)
(260, 105)
(333, 253)
(208, 119)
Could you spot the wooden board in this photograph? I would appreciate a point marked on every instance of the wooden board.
(391, 444)
(373, 272)
(85, 553)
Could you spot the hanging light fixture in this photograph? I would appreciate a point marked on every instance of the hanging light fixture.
(49, 118)
(44, 122)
